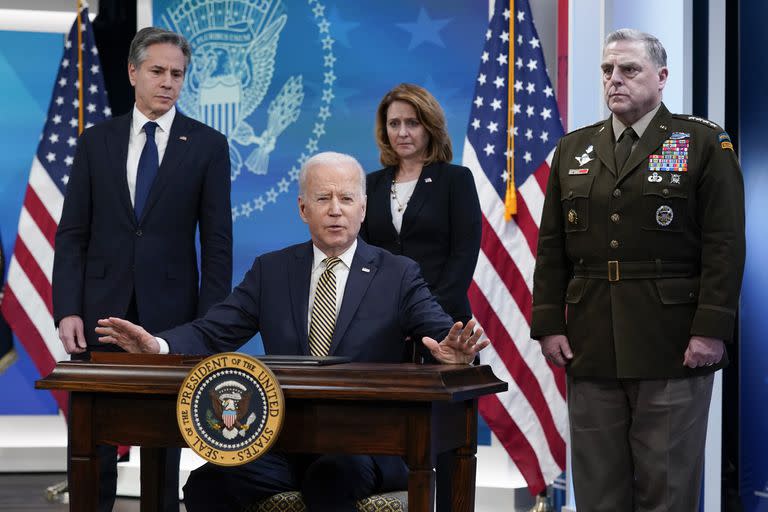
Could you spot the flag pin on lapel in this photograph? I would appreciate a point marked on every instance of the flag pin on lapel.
(366, 269)
(427, 180)
(183, 137)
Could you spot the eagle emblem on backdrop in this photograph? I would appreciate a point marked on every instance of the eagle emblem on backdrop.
(234, 45)
(260, 73)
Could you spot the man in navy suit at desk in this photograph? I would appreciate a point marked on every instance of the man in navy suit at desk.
(140, 187)
(334, 295)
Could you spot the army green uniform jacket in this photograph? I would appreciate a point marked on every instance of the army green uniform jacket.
(630, 265)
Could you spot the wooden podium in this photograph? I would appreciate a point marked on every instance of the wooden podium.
(411, 410)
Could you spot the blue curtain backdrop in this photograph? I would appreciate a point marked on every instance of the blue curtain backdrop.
(332, 62)
(754, 323)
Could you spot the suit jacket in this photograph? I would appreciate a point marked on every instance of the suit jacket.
(104, 255)
(673, 220)
(441, 229)
(384, 301)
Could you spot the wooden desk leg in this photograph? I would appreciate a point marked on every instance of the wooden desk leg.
(83, 457)
(465, 465)
(152, 478)
(421, 477)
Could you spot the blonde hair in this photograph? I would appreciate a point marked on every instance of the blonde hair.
(430, 115)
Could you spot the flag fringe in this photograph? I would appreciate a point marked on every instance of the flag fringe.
(8, 359)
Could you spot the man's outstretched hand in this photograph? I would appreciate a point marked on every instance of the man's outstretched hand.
(126, 335)
(460, 346)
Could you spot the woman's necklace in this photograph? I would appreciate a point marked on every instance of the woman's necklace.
(400, 205)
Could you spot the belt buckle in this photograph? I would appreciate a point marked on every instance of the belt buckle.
(613, 271)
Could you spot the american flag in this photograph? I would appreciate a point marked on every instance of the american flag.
(530, 420)
(78, 101)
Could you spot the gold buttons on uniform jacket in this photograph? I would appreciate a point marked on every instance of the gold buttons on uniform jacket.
(615, 218)
(617, 193)
(614, 244)
(665, 191)
(573, 217)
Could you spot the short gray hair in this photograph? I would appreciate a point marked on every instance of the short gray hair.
(653, 46)
(148, 36)
(330, 158)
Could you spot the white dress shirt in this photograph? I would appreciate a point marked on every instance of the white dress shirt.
(138, 138)
(341, 271)
(404, 192)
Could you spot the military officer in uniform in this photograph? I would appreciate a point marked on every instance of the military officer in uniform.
(638, 273)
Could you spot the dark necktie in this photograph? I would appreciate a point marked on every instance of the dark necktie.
(323, 318)
(148, 164)
(624, 147)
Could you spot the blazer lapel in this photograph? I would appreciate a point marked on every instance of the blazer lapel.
(360, 276)
(604, 146)
(652, 138)
(299, 275)
(117, 153)
(381, 202)
(177, 148)
(426, 181)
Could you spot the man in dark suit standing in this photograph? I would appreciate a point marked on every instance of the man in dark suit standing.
(335, 295)
(639, 267)
(141, 185)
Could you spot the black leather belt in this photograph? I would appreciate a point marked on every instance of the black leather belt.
(617, 270)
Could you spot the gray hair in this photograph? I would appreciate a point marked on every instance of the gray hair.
(330, 158)
(653, 46)
(148, 36)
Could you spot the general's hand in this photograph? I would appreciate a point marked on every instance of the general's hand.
(72, 335)
(460, 346)
(126, 335)
(556, 349)
(703, 351)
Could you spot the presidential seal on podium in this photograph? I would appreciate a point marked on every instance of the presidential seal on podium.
(230, 409)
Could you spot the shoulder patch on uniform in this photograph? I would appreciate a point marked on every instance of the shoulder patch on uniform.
(725, 141)
(700, 120)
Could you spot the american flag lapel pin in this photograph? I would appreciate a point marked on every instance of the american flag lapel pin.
(183, 137)
(427, 180)
(366, 269)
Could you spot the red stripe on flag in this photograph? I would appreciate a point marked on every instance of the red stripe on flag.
(39, 212)
(518, 369)
(514, 441)
(526, 224)
(35, 274)
(542, 176)
(33, 343)
(510, 274)
(559, 374)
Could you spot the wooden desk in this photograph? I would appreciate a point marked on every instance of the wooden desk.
(415, 411)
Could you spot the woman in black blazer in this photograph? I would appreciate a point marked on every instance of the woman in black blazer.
(420, 205)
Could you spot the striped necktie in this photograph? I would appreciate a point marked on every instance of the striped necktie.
(323, 319)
